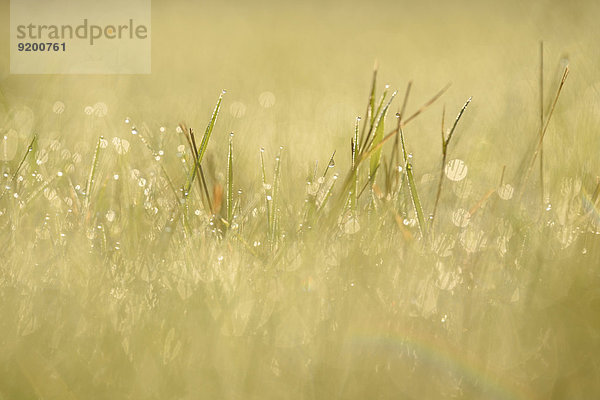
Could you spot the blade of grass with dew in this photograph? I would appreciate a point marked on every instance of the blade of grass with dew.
(265, 189)
(230, 181)
(374, 120)
(414, 195)
(92, 174)
(543, 133)
(378, 137)
(198, 168)
(276, 183)
(370, 104)
(16, 173)
(204, 144)
(354, 148)
(445, 143)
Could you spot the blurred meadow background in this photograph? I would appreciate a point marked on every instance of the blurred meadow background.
(283, 272)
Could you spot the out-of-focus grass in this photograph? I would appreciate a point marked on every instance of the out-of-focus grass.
(311, 278)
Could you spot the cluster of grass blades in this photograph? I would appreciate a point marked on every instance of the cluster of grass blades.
(157, 275)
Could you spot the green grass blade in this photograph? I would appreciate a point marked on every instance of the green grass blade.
(230, 181)
(379, 131)
(92, 174)
(274, 201)
(209, 129)
(29, 150)
(414, 194)
(265, 188)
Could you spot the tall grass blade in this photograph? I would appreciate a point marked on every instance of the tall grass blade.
(16, 173)
(414, 195)
(92, 174)
(230, 181)
(379, 130)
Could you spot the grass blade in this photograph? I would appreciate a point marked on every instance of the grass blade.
(230, 181)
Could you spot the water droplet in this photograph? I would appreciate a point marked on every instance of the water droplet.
(127, 120)
(134, 131)
(110, 215)
(116, 177)
(162, 129)
(59, 173)
(548, 207)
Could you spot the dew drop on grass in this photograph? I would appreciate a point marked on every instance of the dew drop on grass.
(116, 177)
(548, 207)
(127, 120)
(456, 170)
(162, 129)
(41, 157)
(110, 215)
(134, 131)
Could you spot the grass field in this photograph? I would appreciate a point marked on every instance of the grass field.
(318, 230)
